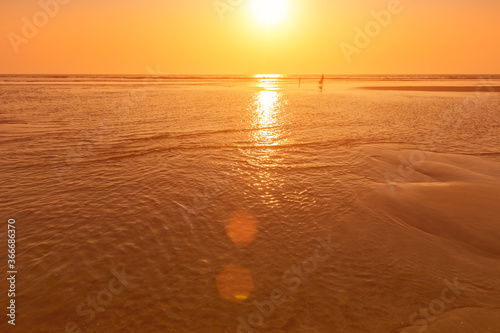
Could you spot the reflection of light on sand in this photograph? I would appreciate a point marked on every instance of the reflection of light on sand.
(241, 228)
(235, 283)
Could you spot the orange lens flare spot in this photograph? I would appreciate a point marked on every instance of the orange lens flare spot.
(235, 283)
(241, 297)
(242, 228)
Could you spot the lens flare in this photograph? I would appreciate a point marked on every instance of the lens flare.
(242, 228)
(235, 283)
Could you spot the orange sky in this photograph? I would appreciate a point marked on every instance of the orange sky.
(188, 36)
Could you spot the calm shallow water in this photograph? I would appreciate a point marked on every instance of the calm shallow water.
(107, 174)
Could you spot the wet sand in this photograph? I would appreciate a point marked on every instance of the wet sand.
(488, 89)
(253, 206)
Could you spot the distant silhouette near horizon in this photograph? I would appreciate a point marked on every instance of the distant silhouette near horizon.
(321, 81)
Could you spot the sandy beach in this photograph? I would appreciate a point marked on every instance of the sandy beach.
(252, 205)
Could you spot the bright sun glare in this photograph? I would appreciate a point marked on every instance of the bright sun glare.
(269, 12)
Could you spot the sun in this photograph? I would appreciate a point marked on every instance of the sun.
(269, 12)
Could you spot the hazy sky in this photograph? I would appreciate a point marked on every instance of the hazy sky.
(190, 36)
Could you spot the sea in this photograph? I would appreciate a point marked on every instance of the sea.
(264, 203)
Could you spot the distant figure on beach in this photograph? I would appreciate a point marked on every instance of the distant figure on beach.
(321, 82)
(299, 82)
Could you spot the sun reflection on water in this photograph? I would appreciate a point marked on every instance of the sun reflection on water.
(269, 76)
(267, 118)
(268, 113)
(266, 107)
(269, 81)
